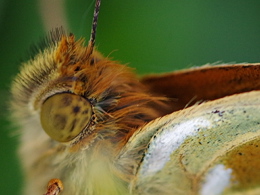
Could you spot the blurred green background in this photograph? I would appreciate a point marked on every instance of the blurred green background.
(152, 36)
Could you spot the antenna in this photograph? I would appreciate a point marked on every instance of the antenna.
(92, 40)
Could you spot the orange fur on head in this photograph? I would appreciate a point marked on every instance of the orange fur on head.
(119, 105)
(120, 102)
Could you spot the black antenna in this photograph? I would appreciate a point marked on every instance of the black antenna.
(92, 40)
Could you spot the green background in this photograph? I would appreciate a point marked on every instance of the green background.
(151, 35)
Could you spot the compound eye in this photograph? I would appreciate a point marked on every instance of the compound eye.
(65, 115)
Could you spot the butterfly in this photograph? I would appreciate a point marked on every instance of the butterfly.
(92, 123)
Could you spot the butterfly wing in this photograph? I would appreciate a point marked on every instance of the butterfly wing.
(204, 83)
(212, 148)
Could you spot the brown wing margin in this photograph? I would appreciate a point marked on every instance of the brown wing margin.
(204, 83)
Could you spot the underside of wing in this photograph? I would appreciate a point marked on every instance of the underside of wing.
(212, 148)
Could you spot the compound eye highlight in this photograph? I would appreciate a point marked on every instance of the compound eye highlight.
(65, 115)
